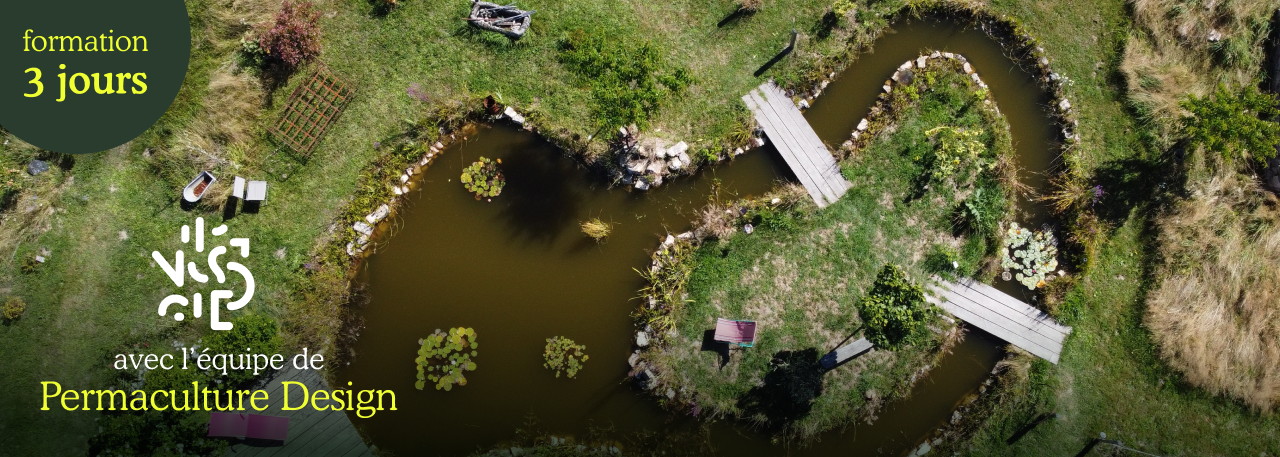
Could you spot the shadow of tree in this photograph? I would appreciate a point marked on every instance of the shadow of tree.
(793, 382)
(1138, 184)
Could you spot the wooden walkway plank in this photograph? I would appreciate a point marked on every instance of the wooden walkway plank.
(794, 126)
(811, 152)
(852, 350)
(822, 159)
(785, 145)
(797, 143)
(1001, 315)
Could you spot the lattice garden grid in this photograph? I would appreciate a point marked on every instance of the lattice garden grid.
(311, 109)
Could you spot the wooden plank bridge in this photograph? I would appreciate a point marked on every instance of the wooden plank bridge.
(1001, 315)
(311, 432)
(798, 144)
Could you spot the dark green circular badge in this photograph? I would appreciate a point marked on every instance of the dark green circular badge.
(80, 76)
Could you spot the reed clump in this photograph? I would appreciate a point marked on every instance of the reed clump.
(1215, 310)
(596, 229)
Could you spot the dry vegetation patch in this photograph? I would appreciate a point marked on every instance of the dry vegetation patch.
(1187, 47)
(1216, 310)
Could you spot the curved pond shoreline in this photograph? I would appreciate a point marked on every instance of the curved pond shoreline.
(540, 235)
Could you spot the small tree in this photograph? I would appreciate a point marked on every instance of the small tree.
(294, 36)
(1234, 125)
(894, 309)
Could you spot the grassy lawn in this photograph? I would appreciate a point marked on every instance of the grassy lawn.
(799, 276)
(99, 221)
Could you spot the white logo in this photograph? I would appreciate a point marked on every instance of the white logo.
(176, 272)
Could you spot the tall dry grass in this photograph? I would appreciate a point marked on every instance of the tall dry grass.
(1215, 312)
(1172, 55)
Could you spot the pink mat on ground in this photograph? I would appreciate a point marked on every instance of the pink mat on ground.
(261, 427)
(231, 425)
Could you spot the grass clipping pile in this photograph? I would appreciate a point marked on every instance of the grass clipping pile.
(1216, 311)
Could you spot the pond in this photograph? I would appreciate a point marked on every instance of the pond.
(518, 270)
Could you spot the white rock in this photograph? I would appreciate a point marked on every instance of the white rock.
(351, 249)
(634, 359)
(775, 201)
(362, 227)
(863, 124)
(670, 240)
(904, 66)
(636, 167)
(642, 184)
(396, 190)
(684, 157)
(1215, 36)
(513, 115)
(968, 69)
(758, 142)
(642, 339)
(623, 132)
(976, 79)
(685, 236)
(823, 85)
(1064, 105)
(378, 214)
(678, 149)
(675, 164)
(948, 55)
(935, 54)
(738, 151)
(438, 145)
(921, 61)
(404, 178)
(888, 88)
(804, 104)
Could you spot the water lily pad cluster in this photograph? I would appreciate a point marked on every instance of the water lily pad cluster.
(563, 356)
(1031, 256)
(483, 178)
(444, 357)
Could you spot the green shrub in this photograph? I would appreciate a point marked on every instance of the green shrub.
(957, 150)
(1234, 125)
(894, 310)
(563, 356)
(250, 332)
(13, 308)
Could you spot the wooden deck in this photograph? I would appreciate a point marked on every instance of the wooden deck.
(311, 432)
(1005, 317)
(798, 144)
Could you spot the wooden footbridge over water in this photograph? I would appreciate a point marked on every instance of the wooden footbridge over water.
(798, 144)
(1001, 315)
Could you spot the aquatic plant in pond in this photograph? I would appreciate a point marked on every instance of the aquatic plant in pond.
(596, 229)
(563, 356)
(1029, 255)
(483, 178)
(444, 357)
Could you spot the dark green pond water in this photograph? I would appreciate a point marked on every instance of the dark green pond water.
(518, 270)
